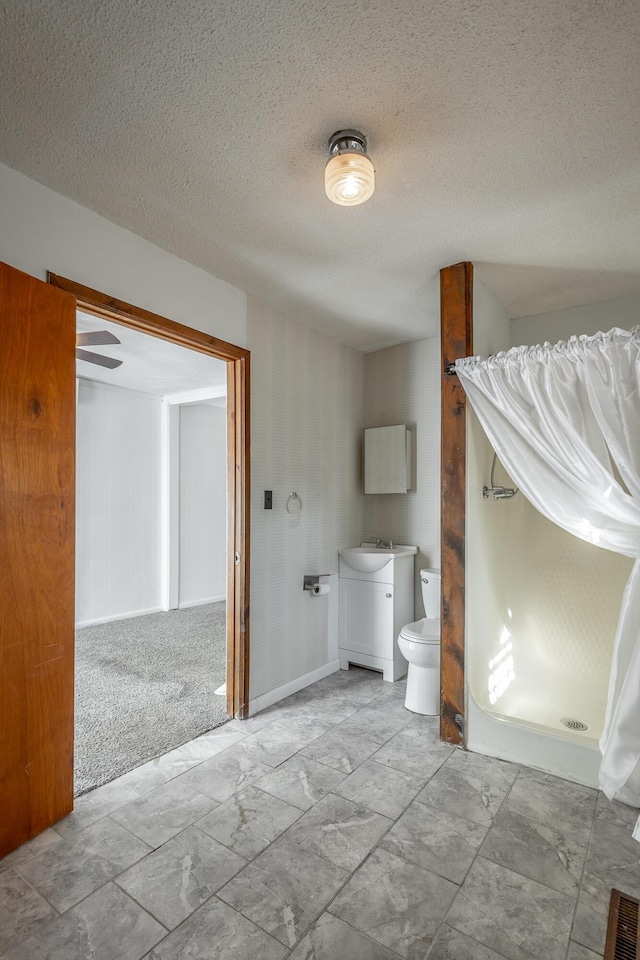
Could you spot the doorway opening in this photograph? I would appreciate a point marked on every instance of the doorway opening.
(211, 400)
(150, 548)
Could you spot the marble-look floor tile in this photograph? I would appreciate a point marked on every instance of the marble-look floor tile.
(412, 752)
(332, 706)
(592, 913)
(548, 799)
(160, 815)
(515, 916)
(578, 952)
(396, 690)
(216, 932)
(301, 781)
(225, 774)
(430, 726)
(450, 944)
(540, 851)
(470, 785)
(614, 856)
(70, 871)
(373, 725)
(340, 831)
(157, 772)
(284, 890)
(252, 724)
(383, 789)
(30, 849)
(249, 821)
(20, 907)
(332, 939)
(396, 903)
(359, 685)
(93, 806)
(279, 741)
(391, 706)
(180, 876)
(343, 787)
(328, 683)
(292, 704)
(436, 840)
(616, 812)
(340, 750)
(309, 725)
(108, 925)
(211, 744)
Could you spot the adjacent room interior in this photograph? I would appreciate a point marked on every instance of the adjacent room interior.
(150, 548)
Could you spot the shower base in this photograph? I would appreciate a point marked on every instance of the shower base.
(544, 743)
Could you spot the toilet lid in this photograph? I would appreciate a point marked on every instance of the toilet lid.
(424, 631)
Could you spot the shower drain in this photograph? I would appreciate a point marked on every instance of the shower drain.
(574, 724)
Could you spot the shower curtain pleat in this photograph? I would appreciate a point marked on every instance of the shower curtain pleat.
(565, 422)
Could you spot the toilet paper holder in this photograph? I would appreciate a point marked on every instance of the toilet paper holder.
(311, 579)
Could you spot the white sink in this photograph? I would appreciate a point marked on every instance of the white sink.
(368, 558)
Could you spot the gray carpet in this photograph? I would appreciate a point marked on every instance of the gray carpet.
(145, 686)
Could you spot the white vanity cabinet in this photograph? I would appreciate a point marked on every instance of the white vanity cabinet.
(374, 606)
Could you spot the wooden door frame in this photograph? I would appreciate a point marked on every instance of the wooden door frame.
(456, 310)
(238, 462)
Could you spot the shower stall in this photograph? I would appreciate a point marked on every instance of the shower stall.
(541, 612)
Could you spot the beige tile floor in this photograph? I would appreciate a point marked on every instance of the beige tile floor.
(333, 826)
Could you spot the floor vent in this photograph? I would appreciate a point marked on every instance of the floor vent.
(622, 931)
(574, 724)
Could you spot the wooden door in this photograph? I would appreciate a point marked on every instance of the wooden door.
(37, 517)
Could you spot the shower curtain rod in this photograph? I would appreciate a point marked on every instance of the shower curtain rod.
(450, 369)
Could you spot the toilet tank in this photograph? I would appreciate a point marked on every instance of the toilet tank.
(430, 583)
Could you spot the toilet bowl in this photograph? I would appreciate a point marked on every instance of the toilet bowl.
(419, 644)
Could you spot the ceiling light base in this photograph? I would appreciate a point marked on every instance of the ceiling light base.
(347, 141)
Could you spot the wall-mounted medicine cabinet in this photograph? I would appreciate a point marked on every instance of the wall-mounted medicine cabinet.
(387, 459)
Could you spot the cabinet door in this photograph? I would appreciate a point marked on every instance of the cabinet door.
(366, 617)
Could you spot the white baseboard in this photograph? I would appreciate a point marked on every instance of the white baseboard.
(268, 699)
(200, 603)
(117, 616)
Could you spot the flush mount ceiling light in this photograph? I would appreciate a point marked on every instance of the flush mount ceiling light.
(348, 176)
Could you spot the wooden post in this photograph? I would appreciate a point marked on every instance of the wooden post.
(456, 308)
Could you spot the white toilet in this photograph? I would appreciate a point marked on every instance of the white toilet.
(419, 644)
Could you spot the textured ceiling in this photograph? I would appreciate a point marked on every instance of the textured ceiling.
(149, 364)
(502, 132)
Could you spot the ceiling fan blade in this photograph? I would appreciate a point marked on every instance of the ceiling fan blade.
(96, 338)
(98, 358)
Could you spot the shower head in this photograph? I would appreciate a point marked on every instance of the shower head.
(498, 493)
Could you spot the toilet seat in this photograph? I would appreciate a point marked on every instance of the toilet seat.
(422, 631)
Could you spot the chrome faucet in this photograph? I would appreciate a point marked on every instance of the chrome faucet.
(383, 544)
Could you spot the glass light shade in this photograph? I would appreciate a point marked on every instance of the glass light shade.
(349, 179)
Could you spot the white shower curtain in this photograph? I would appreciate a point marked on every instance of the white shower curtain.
(565, 422)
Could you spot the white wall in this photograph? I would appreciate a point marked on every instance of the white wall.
(402, 385)
(202, 504)
(624, 312)
(118, 508)
(42, 231)
(306, 412)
